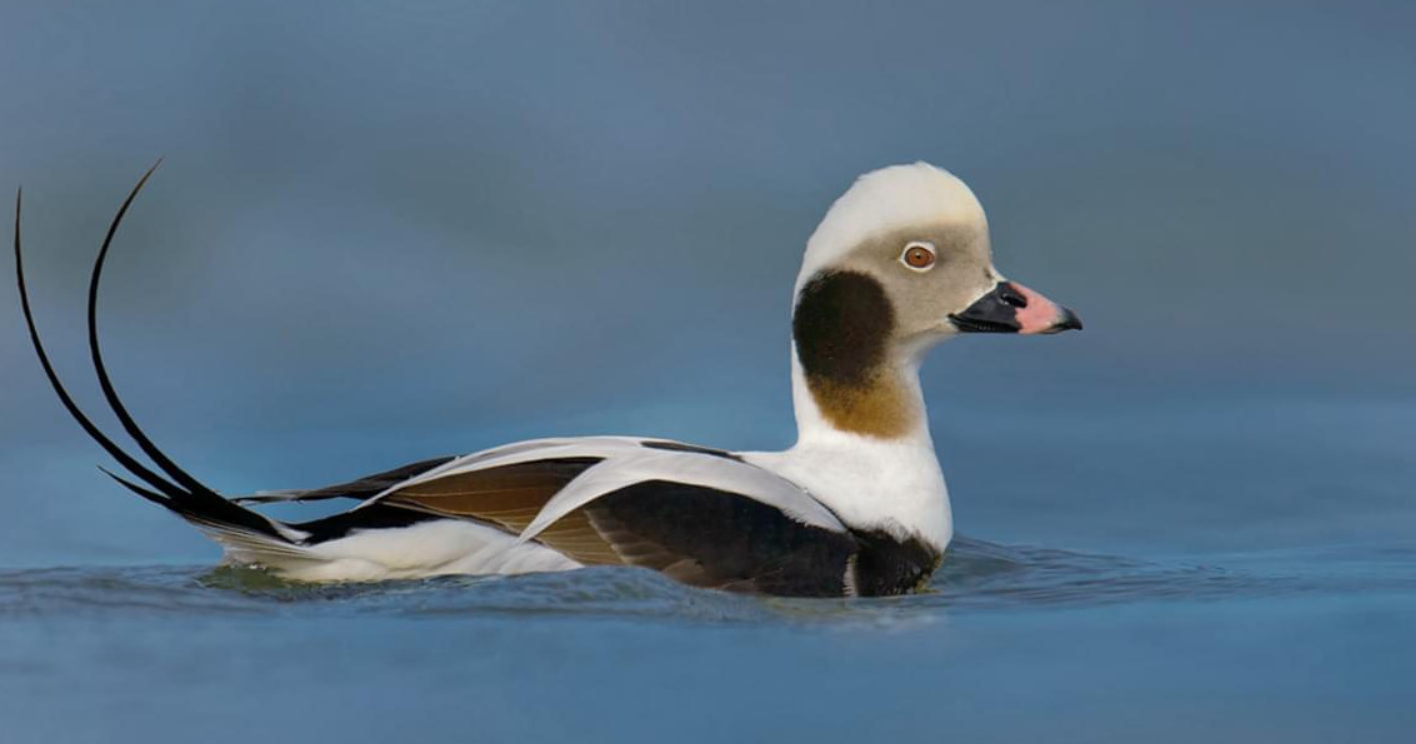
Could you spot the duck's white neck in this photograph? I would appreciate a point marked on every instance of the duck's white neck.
(887, 481)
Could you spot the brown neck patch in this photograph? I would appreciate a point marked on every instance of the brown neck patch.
(842, 328)
(882, 409)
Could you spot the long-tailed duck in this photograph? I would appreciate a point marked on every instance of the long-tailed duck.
(857, 507)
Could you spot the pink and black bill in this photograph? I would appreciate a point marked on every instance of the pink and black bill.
(1013, 308)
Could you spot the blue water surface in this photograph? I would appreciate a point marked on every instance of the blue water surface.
(1015, 643)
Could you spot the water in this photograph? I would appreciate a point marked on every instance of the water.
(1093, 647)
(978, 577)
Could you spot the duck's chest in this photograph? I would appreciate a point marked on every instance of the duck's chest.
(884, 565)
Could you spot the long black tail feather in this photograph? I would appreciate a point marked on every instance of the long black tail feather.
(129, 425)
(187, 496)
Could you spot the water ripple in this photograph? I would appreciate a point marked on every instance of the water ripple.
(977, 576)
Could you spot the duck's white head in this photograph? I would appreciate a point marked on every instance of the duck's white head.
(900, 262)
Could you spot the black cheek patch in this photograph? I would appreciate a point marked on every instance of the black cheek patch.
(841, 324)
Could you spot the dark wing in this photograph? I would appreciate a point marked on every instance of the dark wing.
(701, 516)
(707, 537)
(510, 497)
(362, 488)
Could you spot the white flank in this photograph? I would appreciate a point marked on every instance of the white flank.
(437, 548)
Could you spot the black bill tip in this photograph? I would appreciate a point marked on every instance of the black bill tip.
(1069, 322)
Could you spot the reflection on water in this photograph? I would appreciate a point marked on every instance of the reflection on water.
(977, 576)
(1106, 645)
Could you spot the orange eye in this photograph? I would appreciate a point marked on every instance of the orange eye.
(918, 256)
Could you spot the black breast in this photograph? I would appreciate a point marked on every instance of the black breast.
(719, 539)
(712, 538)
(886, 565)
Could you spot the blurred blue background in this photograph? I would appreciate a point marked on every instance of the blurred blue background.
(383, 233)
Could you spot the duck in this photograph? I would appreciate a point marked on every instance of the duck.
(857, 507)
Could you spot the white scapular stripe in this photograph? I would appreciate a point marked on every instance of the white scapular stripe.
(626, 461)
